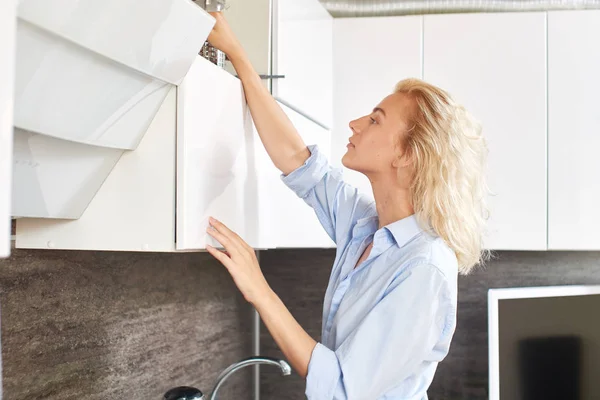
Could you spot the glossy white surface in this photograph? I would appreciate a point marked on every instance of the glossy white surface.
(290, 222)
(159, 39)
(69, 92)
(365, 71)
(216, 170)
(54, 178)
(8, 21)
(303, 52)
(574, 130)
(134, 210)
(495, 64)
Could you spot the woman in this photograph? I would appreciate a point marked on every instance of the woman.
(390, 308)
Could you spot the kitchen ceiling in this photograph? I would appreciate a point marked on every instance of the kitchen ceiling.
(373, 8)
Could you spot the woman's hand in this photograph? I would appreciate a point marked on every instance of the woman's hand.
(240, 260)
(223, 38)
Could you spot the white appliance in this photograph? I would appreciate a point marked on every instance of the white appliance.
(90, 78)
(544, 342)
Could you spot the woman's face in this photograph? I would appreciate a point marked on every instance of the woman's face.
(376, 146)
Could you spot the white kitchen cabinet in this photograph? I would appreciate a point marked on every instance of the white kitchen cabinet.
(134, 209)
(90, 78)
(286, 220)
(370, 55)
(8, 22)
(495, 64)
(302, 52)
(216, 167)
(194, 160)
(573, 130)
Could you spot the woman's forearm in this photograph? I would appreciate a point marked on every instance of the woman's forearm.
(295, 343)
(281, 140)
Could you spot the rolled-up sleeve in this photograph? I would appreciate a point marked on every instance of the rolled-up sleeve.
(336, 203)
(413, 323)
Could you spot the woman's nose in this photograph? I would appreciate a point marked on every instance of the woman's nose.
(354, 126)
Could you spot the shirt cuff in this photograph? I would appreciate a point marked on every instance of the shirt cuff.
(324, 373)
(304, 178)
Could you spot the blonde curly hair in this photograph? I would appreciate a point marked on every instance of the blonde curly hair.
(449, 156)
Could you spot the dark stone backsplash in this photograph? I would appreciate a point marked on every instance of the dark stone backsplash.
(104, 325)
(107, 325)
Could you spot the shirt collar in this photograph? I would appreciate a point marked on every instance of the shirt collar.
(402, 230)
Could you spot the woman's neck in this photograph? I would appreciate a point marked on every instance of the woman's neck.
(393, 202)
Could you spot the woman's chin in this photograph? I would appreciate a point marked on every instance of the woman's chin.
(347, 162)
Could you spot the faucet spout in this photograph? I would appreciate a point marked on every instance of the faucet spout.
(284, 366)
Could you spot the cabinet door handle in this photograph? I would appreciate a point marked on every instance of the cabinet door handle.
(272, 76)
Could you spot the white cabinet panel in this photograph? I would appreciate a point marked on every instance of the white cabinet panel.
(54, 178)
(495, 64)
(216, 171)
(134, 210)
(8, 21)
(286, 219)
(302, 51)
(70, 92)
(370, 56)
(574, 130)
(160, 40)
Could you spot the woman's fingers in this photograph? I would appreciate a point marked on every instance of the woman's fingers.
(225, 241)
(231, 235)
(220, 256)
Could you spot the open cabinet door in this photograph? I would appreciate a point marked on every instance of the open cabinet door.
(216, 165)
(8, 18)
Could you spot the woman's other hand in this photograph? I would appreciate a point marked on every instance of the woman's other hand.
(223, 38)
(240, 260)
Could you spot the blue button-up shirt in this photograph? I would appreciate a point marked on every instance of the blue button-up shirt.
(388, 322)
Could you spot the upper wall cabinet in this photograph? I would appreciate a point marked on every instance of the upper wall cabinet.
(90, 78)
(370, 55)
(8, 20)
(574, 130)
(495, 64)
(285, 219)
(192, 162)
(302, 52)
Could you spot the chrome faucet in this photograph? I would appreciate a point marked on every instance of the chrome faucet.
(191, 393)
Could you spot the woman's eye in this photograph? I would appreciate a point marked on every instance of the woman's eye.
(372, 120)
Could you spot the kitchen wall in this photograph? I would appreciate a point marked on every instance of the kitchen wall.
(102, 325)
(300, 278)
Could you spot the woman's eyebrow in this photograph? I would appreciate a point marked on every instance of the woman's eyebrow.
(379, 109)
